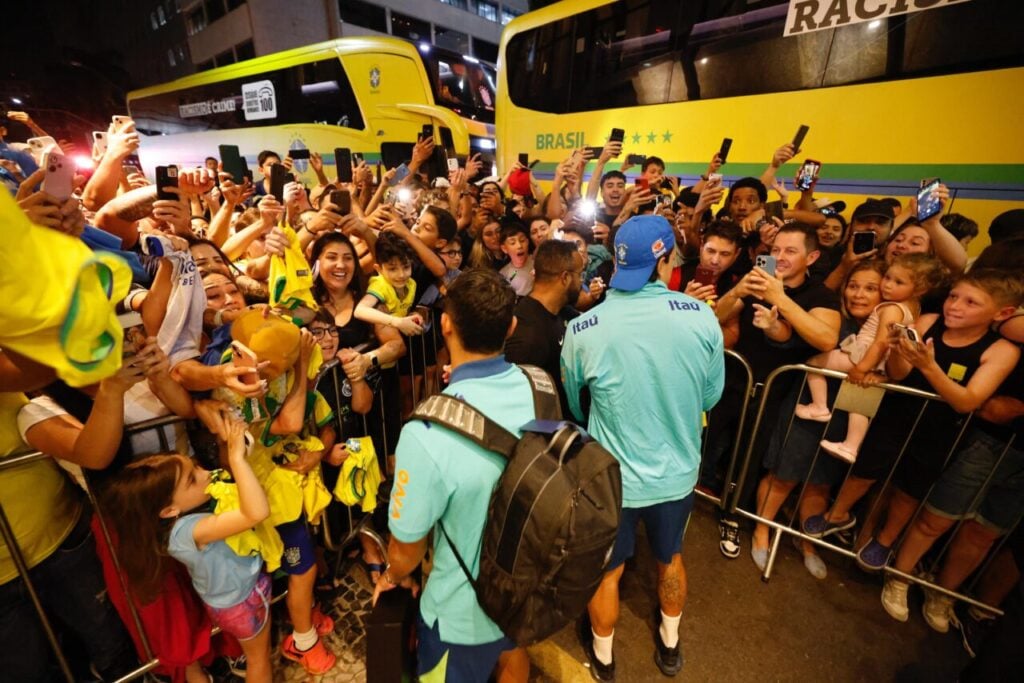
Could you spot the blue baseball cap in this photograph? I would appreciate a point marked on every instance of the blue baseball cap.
(639, 243)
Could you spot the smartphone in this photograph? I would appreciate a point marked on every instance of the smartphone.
(928, 206)
(617, 135)
(798, 139)
(298, 153)
(343, 160)
(595, 152)
(636, 159)
(380, 171)
(774, 210)
(723, 151)
(705, 276)
(714, 179)
(400, 174)
(766, 263)
(343, 200)
(60, 175)
(453, 164)
(447, 141)
(38, 147)
(121, 121)
(524, 159)
(357, 158)
(99, 142)
(131, 164)
(427, 132)
(643, 184)
(134, 333)
(232, 163)
(908, 332)
(279, 177)
(244, 357)
(166, 176)
(863, 241)
(807, 174)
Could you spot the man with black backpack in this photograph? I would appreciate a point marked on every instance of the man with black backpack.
(653, 362)
(442, 480)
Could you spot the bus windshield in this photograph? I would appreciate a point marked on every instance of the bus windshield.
(462, 84)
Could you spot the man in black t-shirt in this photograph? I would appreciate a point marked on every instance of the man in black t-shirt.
(780, 319)
(541, 316)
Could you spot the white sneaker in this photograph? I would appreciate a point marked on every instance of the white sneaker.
(937, 610)
(894, 599)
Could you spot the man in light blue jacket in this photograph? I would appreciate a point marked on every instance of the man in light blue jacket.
(653, 362)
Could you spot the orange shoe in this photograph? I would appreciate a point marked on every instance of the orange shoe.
(316, 660)
(321, 622)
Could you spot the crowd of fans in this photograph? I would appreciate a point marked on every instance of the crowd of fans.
(244, 300)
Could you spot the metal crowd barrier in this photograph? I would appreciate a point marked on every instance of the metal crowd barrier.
(728, 485)
(782, 529)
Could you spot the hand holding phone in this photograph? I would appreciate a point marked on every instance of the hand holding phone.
(166, 176)
(343, 200)
(296, 154)
(279, 177)
(723, 152)
(232, 162)
(244, 357)
(60, 175)
(798, 139)
(909, 332)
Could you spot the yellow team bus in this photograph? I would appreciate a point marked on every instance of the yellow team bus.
(371, 95)
(890, 98)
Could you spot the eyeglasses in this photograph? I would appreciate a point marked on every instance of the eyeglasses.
(320, 332)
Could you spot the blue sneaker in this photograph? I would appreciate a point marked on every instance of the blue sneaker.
(874, 556)
(819, 527)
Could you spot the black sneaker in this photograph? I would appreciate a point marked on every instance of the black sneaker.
(668, 659)
(598, 671)
(729, 537)
(972, 631)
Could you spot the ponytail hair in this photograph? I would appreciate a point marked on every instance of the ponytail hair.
(132, 501)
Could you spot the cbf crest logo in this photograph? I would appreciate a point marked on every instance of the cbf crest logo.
(621, 252)
(375, 77)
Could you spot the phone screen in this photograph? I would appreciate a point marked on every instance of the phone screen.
(705, 276)
(166, 176)
(298, 153)
(928, 206)
(617, 135)
(808, 174)
(231, 162)
(278, 177)
(343, 200)
(524, 159)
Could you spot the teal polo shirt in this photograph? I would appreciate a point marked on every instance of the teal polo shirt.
(653, 361)
(440, 475)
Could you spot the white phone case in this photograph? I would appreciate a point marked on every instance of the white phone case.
(60, 176)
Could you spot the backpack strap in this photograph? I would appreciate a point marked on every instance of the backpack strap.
(460, 417)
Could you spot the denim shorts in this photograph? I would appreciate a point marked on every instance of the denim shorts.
(665, 524)
(246, 619)
(965, 490)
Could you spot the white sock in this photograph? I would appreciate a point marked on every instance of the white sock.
(304, 641)
(670, 629)
(603, 647)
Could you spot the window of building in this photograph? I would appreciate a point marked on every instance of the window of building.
(363, 14)
(487, 10)
(508, 15)
(214, 10)
(196, 20)
(225, 58)
(450, 39)
(485, 50)
(409, 27)
(459, 4)
(244, 51)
